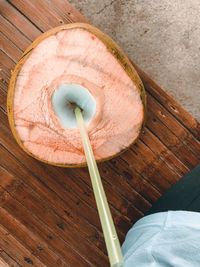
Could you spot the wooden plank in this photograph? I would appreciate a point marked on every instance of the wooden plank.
(55, 207)
(6, 65)
(136, 180)
(3, 263)
(33, 243)
(33, 10)
(176, 128)
(71, 15)
(3, 95)
(19, 21)
(6, 260)
(115, 197)
(52, 18)
(135, 161)
(184, 117)
(20, 194)
(8, 181)
(153, 162)
(17, 251)
(13, 34)
(49, 220)
(9, 48)
(170, 140)
(163, 152)
(116, 183)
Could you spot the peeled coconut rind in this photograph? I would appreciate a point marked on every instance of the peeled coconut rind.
(111, 46)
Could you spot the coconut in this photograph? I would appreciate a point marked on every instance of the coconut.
(75, 65)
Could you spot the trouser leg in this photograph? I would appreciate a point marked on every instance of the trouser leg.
(184, 195)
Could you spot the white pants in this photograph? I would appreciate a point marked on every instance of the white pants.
(167, 239)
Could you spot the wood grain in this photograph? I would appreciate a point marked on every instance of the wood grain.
(48, 214)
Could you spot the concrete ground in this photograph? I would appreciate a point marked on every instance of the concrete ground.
(162, 37)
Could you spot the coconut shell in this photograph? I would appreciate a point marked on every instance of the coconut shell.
(116, 53)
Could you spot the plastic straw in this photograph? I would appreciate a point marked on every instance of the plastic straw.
(110, 235)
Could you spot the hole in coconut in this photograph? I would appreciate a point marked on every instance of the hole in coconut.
(73, 106)
(66, 98)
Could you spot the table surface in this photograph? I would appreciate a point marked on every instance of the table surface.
(48, 214)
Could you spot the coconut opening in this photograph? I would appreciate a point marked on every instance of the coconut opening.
(68, 96)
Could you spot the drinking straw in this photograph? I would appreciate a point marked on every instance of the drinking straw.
(110, 235)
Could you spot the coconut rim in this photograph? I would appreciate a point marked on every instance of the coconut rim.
(112, 48)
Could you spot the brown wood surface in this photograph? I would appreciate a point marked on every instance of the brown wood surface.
(48, 215)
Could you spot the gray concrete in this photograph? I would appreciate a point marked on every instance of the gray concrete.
(161, 36)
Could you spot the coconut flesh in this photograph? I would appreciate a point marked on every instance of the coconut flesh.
(67, 66)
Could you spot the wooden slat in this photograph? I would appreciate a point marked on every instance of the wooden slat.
(171, 141)
(48, 215)
(179, 113)
(152, 162)
(176, 128)
(13, 34)
(137, 181)
(26, 237)
(20, 195)
(6, 65)
(56, 14)
(6, 260)
(18, 20)
(163, 153)
(57, 225)
(9, 48)
(70, 15)
(17, 251)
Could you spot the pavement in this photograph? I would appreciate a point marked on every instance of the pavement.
(162, 37)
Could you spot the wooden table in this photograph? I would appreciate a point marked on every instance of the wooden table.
(48, 215)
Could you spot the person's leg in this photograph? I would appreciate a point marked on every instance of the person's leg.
(184, 195)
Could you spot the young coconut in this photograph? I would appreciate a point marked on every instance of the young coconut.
(75, 64)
